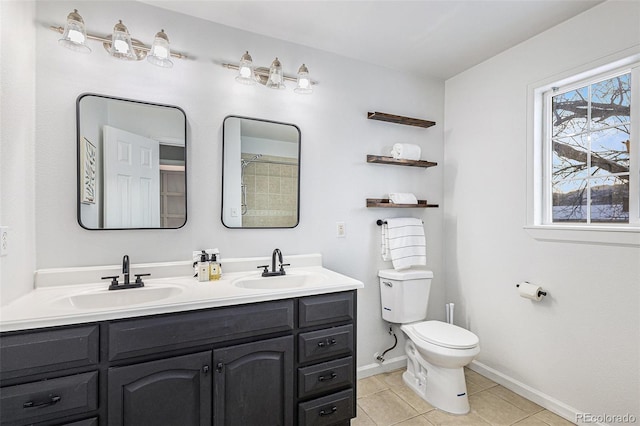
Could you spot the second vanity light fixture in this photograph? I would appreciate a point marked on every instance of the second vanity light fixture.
(271, 77)
(120, 45)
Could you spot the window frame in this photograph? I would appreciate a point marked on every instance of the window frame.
(539, 156)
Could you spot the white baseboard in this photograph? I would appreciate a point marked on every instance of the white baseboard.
(542, 399)
(377, 368)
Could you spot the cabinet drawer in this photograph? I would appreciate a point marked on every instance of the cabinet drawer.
(325, 309)
(325, 343)
(327, 410)
(51, 350)
(151, 335)
(47, 399)
(325, 377)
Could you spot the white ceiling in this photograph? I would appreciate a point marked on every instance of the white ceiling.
(437, 38)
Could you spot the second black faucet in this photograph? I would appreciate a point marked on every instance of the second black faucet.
(266, 273)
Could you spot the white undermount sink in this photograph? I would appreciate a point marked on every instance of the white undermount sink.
(291, 280)
(103, 298)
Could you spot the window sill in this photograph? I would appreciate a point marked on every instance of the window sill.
(618, 236)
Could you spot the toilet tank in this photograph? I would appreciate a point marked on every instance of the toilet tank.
(404, 295)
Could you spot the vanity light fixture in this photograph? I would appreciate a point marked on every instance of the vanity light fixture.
(275, 80)
(160, 51)
(272, 77)
(119, 44)
(74, 36)
(304, 81)
(246, 75)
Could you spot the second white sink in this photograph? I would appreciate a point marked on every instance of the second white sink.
(291, 280)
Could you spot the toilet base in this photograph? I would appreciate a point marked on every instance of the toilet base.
(444, 388)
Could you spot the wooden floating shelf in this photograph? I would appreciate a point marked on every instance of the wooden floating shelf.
(384, 202)
(399, 119)
(401, 162)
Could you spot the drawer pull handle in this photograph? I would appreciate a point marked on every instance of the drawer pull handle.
(328, 413)
(328, 377)
(51, 401)
(327, 342)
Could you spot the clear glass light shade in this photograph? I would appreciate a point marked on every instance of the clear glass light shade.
(276, 78)
(75, 35)
(121, 46)
(304, 81)
(160, 53)
(245, 70)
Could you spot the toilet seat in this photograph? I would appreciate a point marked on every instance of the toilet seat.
(445, 335)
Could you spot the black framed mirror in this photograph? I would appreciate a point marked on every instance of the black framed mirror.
(132, 164)
(260, 173)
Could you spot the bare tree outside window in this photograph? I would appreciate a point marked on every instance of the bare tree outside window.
(590, 136)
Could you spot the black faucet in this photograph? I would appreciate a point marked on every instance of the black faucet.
(125, 272)
(125, 268)
(275, 253)
(273, 272)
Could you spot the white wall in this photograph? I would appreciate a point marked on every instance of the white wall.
(581, 344)
(17, 137)
(336, 137)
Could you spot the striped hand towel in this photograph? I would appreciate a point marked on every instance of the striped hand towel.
(403, 242)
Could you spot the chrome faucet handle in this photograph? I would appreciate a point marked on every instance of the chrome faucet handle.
(266, 268)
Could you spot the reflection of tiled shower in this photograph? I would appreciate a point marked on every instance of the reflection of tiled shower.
(269, 191)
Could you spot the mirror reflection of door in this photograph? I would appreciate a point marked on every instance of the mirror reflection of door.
(131, 180)
(261, 165)
(131, 164)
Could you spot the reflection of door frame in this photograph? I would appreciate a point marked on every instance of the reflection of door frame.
(131, 180)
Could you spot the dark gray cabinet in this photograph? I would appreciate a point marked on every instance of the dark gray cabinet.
(283, 362)
(172, 391)
(253, 384)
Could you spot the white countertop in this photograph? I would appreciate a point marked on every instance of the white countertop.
(49, 303)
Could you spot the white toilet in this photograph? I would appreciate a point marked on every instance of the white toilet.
(436, 351)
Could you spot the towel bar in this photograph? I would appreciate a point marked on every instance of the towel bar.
(381, 222)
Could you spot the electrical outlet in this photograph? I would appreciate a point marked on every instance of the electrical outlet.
(341, 230)
(4, 240)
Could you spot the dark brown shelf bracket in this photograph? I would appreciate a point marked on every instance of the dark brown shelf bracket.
(384, 202)
(390, 160)
(399, 119)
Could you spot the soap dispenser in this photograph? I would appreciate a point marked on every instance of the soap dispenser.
(203, 267)
(215, 269)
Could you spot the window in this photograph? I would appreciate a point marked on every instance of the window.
(583, 142)
(588, 137)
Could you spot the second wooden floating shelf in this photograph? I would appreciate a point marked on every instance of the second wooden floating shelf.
(399, 119)
(400, 162)
(384, 202)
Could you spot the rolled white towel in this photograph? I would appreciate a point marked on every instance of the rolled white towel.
(406, 151)
(402, 198)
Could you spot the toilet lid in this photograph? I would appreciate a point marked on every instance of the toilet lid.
(446, 335)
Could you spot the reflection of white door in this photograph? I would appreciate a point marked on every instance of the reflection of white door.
(131, 180)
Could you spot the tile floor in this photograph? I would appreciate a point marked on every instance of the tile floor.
(385, 400)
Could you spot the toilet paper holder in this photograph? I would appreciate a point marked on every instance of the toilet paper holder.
(540, 292)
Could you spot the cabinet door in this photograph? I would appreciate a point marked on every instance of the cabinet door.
(172, 391)
(254, 384)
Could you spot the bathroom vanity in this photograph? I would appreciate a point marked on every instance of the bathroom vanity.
(282, 361)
